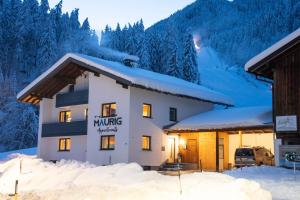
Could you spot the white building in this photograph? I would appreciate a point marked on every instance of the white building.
(105, 112)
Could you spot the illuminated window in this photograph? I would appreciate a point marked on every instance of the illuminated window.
(64, 144)
(146, 143)
(65, 116)
(173, 114)
(147, 110)
(109, 109)
(107, 142)
(86, 111)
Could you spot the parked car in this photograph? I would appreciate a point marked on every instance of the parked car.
(244, 157)
(250, 156)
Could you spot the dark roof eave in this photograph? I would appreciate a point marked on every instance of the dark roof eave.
(237, 128)
(265, 61)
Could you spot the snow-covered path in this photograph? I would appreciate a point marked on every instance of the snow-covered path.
(75, 180)
(282, 183)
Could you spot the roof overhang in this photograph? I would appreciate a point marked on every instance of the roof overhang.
(66, 70)
(264, 128)
(61, 74)
(261, 65)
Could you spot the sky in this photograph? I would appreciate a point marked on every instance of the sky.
(102, 12)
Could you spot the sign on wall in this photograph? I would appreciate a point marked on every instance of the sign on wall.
(286, 123)
(107, 124)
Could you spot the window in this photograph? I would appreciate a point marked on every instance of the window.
(71, 88)
(64, 144)
(65, 116)
(147, 110)
(146, 143)
(107, 142)
(86, 111)
(173, 114)
(109, 109)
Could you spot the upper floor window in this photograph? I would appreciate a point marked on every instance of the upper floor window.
(86, 113)
(107, 142)
(64, 144)
(173, 114)
(147, 110)
(146, 143)
(71, 88)
(109, 109)
(65, 116)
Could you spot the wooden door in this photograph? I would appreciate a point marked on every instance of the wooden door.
(191, 151)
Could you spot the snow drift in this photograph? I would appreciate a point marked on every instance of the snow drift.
(76, 180)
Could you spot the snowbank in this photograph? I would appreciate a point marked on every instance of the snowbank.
(11, 154)
(75, 180)
(281, 182)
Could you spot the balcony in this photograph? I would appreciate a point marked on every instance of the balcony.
(72, 98)
(64, 129)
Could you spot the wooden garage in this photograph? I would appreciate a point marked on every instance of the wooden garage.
(209, 139)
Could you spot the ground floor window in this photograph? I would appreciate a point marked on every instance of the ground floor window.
(146, 143)
(64, 144)
(65, 116)
(107, 142)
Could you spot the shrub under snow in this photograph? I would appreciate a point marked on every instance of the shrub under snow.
(75, 180)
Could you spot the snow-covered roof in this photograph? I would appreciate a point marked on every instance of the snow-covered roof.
(271, 50)
(231, 118)
(135, 77)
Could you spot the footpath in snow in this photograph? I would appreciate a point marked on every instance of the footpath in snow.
(75, 180)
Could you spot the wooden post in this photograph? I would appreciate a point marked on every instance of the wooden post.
(241, 138)
(16, 190)
(217, 152)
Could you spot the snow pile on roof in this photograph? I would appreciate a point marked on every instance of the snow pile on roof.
(74, 180)
(113, 55)
(141, 77)
(272, 49)
(281, 182)
(228, 118)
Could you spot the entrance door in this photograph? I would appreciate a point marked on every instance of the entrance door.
(171, 150)
(191, 151)
(221, 154)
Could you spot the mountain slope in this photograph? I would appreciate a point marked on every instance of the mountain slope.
(229, 34)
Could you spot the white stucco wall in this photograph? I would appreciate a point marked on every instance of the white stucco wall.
(49, 148)
(140, 126)
(105, 90)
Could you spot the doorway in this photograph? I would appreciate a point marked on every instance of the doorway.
(171, 150)
(221, 154)
(191, 151)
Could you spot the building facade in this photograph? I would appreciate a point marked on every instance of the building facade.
(281, 64)
(104, 112)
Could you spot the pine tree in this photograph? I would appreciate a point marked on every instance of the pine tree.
(190, 68)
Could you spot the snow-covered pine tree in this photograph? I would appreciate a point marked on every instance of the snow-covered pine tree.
(190, 68)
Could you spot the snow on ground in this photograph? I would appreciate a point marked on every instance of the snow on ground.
(281, 182)
(234, 82)
(75, 180)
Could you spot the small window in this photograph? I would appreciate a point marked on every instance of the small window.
(86, 111)
(71, 88)
(109, 109)
(64, 144)
(173, 114)
(147, 110)
(107, 142)
(146, 143)
(65, 116)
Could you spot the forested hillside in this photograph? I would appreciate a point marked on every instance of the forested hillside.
(33, 37)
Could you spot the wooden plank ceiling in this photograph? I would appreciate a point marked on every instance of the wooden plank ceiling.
(53, 83)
